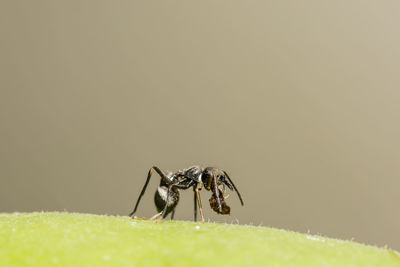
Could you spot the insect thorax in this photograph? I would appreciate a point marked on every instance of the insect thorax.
(193, 173)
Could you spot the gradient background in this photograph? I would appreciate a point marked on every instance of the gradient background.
(297, 100)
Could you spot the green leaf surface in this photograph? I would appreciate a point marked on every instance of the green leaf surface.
(72, 239)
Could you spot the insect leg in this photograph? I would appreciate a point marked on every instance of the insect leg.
(170, 187)
(163, 176)
(172, 214)
(149, 219)
(155, 216)
(195, 205)
(199, 202)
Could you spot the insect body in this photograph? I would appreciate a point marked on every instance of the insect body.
(166, 197)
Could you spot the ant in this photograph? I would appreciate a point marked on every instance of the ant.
(166, 197)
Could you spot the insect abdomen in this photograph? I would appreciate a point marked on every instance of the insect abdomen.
(160, 199)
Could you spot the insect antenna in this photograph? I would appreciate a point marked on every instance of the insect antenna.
(237, 191)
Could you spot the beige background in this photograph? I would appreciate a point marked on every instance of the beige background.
(297, 100)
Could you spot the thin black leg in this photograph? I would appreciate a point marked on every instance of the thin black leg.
(172, 214)
(171, 187)
(163, 176)
(168, 195)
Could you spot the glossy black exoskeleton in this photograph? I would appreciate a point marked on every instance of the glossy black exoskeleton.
(211, 179)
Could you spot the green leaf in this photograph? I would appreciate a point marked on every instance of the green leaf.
(71, 239)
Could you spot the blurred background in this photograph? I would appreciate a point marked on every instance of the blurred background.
(297, 101)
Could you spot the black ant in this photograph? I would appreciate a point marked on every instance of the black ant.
(166, 197)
